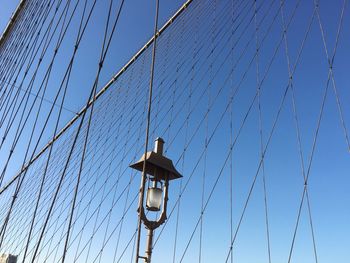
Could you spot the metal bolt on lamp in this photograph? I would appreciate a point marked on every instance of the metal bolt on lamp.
(160, 171)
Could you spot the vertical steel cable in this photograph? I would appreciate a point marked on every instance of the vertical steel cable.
(258, 87)
(209, 88)
(144, 176)
(233, 13)
(187, 124)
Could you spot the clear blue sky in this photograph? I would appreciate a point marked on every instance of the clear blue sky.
(329, 175)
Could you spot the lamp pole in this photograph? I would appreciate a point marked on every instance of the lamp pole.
(149, 246)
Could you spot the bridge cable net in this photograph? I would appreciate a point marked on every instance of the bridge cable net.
(249, 97)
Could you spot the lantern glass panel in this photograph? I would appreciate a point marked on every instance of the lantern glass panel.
(154, 199)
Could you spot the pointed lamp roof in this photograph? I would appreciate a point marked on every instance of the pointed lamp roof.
(157, 165)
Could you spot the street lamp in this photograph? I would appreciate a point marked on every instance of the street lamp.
(159, 170)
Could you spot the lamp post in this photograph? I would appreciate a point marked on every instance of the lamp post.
(159, 170)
